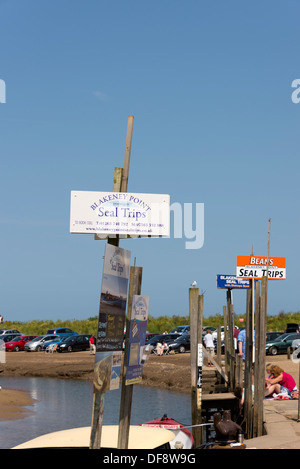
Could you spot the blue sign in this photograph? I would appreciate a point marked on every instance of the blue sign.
(230, 281)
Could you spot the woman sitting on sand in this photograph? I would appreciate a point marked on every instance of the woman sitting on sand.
(280, 382)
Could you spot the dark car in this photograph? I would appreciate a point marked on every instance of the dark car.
(53, 342)
(292, 327)
(181, 344)
(281, 344)
(273, 335)
(161, 338)
(150, 335)
(222, 346)
(74, 343)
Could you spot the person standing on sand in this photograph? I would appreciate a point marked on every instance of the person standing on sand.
(241, 344)
(209, 345)
(92, 345)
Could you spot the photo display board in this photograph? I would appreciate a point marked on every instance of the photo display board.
(110, 333)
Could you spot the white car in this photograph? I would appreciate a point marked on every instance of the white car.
(215, 334)
(9, 331)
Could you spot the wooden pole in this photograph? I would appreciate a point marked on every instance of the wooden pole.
(199, 432)
(230, 338)
(226, 341)
(135, 283)
(259, 375)
(127, 154)
(194, 308)
(239, 371)
(193, 312)
(99, 397)
(248, 364)
(119, 185)
(268, 255)
(219, 346)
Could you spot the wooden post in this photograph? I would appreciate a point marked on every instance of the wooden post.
(98, 397)
(119, 185)
(268, 255)
(97, 420)
(199, 433)
(248, 364)
(219, 346)
(263, 327)
(226, 341)
(195, 305)
(230, 338)
(127, 154)
(259, 375)
(135, 283)
(239, 371)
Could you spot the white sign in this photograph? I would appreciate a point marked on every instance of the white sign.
(114, 213)
(256, 267)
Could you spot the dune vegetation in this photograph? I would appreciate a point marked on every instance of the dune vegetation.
(155, 324)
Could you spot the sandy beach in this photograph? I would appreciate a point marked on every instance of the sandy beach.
(13, 404)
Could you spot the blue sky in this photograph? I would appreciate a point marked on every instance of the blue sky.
(209, 86)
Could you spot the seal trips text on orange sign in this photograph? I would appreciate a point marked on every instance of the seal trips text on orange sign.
(256, 267)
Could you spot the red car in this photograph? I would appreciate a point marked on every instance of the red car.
(18, 343)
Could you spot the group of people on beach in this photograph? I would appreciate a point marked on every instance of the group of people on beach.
(278, 382)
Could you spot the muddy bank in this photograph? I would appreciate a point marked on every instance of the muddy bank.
(171, 372)
(167, 372)
(13, 404)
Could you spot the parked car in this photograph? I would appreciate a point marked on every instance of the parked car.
(18, 343)
(215, 333)
(56, 340)
(281, 344)
(36, 344)
(9, 331)
(292, 327)
(181, 330)
(205, 329)
(62, 331)
(8, 337)
(74, 343)
(160, 338)
(149, 336)
(181, 344)
(222, 346)
(273, 335)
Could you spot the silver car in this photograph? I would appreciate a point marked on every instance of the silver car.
(9, 331)
(36, 344)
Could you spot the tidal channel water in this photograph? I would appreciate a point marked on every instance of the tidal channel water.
(61, 404)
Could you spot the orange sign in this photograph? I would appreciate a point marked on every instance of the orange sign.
(256, 267)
